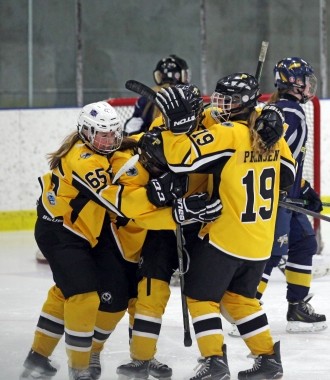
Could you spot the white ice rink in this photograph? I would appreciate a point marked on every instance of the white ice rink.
(24, 284)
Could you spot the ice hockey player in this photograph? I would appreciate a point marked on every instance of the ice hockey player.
(170, 70)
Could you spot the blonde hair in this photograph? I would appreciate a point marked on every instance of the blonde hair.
(54, 158)
(275, 96)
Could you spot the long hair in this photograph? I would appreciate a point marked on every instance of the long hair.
(54, 158)
(274, 97)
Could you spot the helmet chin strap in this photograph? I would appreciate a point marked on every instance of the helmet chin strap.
(298, 93)
(303, 98)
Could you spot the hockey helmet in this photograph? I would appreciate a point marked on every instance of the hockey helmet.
(233, 94)
(172, 70)
(100, 127)
(296, 74)
(151, 154)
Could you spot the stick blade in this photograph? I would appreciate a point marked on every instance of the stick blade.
(262, 57)
(263, 51)
(187, 341)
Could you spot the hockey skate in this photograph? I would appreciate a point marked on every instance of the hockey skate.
(95, 366)
(139, 368)
(213, 367)
(136, 369)
(302, 318)
(37, 366)
(265, 367)
(79, 374)
(159, 370)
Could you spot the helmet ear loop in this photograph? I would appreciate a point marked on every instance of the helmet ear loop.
(158, 77)
(85, 134)
(91, 135)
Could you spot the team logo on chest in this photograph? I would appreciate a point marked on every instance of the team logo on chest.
(132, 172)
(85, 155)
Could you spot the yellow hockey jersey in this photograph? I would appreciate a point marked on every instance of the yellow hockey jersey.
(198, 182)
(130, 234)
(247, 184)
(80, 191)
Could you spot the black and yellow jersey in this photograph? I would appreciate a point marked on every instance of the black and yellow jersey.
(130, 233)
(198, 182)
(129, 238)
(80, 191)
(248, 184)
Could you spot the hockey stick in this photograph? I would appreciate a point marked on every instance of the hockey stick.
(128, 165)
(293, 207)
(179, 244)
(262, 57)
(303, 202)
(141, 89)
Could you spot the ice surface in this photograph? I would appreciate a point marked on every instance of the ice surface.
(23, 288)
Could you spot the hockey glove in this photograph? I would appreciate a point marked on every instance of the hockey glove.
(162, 190)
(176, 109)
(310, 195)
(196, 207)
(269, 125)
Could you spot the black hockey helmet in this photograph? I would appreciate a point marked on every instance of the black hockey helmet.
(172, 70)
(150, 150)
(233, 94)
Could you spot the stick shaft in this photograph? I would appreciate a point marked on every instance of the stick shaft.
(304, 202)
(262, 57)
(293, 207)
(187, 337)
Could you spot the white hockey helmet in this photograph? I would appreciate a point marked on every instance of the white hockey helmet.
(100, 127)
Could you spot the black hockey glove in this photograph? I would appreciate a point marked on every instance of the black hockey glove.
(177, 110)
(196, 207)
(162, 190)
(310, 195)
(269, 124)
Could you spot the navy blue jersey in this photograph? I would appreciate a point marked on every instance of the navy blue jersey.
(144, 109)
(296, 136)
